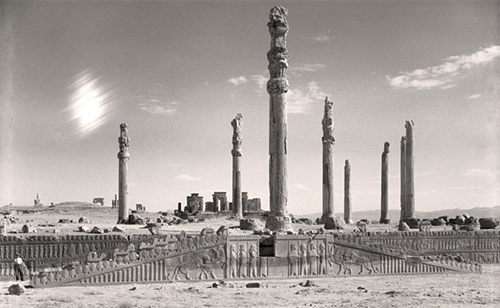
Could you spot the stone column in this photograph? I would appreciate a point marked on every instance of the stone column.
(347, 193)
(244, 201)
(403, 179)
(236, 152)
(216, 205)
(277, 86)
(123, 157)
(410, 185)
(328, 141)
(384, 202)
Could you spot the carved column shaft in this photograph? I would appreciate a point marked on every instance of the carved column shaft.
(277, 86)
(123, 157)
(403, 179)
(410, 185)
(384, 203)
(347, 193)
(236, 152)
(328, 141)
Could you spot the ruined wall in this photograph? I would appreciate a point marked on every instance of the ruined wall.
(480, 246)
(111, 259)
(49, 251)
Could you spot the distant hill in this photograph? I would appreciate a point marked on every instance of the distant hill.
(477, 212)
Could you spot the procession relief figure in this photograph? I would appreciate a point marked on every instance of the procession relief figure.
(313, 258)
(322, 255)
(277, 86)
(236, 152)
(303, 259)
(293, 260)
(243, 261)
(233, 262)
(252, 254)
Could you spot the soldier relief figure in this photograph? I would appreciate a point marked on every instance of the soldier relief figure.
(293, 260)
(303, 259)
(252, 254)
(242, 261)
(233, 262)
(313, 257)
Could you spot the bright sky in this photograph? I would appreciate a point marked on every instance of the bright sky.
(178, 72)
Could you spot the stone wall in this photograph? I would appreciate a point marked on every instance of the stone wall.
(49, 251)
(111, 259)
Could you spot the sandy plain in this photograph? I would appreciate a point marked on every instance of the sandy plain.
(451, 290)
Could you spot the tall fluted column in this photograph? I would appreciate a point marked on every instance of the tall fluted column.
(123, 157)
(236, 152)
(347, 193)
(328, 141)
(403, 179)
(410, 184)
(277, 86)
(384, 202)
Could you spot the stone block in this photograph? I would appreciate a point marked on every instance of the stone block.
(97, 230)
(83, 229)
(207, 231)
(488, 223)
(438, 222)
(16, 289)
(403, 226)
(413, 223)
(223, 230)
(251, 224)
(334, 223)
(83, 220)
(118, 229)
(306, 221)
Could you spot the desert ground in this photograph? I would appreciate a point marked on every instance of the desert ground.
(452, 290)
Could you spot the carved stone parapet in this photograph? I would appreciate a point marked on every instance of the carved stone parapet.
(277, 85)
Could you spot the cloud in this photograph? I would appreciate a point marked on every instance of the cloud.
(308, 67)
(261, 81)
(186, 177)
(323, 37)
(301, 187)
(444, 76)
(474, 96)
(300, 100)
(155, 106)
(479, 172)
(236, 81)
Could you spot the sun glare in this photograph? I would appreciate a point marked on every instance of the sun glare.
(89, 103)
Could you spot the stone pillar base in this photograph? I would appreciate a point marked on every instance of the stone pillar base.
(349, 221)
(279, 223)
(385, 221)
(325, 216)
(334, 223)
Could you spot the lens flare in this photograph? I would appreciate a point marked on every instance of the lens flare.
(89, 103)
